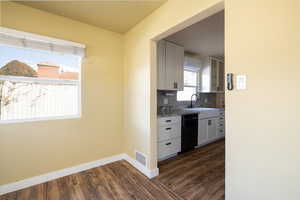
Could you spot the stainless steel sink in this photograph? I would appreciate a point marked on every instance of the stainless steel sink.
(200, 109)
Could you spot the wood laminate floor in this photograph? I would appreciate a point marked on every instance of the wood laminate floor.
(195, 175)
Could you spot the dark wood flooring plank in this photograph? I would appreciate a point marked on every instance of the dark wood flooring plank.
(115, 189)
(102, 183)
(10, 196)
(142, 184)
(52, 190)
(69, 187)
(196, 175)
(37, 192)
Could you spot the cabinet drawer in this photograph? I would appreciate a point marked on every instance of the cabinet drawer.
(169, 147)
(165, 121)
(221, 131)
(168, 132)
(221, 121)
(208, 114)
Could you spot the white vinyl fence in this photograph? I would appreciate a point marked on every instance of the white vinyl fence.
(30, 98)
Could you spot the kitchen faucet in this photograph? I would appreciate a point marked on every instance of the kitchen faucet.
(191, 106)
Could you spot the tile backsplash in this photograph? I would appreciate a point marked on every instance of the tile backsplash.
(169, 99)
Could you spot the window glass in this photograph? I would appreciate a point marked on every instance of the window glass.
(186, 94)
(38, 84)
(190, 86)
(190, 78)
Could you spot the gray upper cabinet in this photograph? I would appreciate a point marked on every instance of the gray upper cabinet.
(161, 64)
(170, 59)
(213, 75)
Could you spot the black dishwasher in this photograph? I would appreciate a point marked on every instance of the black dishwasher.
(189, 132)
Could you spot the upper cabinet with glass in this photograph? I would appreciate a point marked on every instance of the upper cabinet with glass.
(170, 59)
(212, 76)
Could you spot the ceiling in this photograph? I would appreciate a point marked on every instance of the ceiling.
(115, 15)
(205, 37)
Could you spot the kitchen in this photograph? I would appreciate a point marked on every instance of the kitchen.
(190, 89)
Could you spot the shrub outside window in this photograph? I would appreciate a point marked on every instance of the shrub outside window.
(39, 80)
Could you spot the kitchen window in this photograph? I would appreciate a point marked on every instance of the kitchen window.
(39, 77)
(190, 85)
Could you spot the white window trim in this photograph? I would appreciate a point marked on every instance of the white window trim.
(34, 80)
(40, 119)
(37, 37)
(11, 37)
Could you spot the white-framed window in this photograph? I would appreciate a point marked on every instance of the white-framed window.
(40, 77)
(191, 80)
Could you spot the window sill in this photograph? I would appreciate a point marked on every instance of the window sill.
(40, 119)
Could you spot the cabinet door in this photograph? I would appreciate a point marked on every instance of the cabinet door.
(212, 124)
(179, 67)
(174, 66)
(221, 76)
(221, 132)
(221, 126)
(161, 64)
(214, 65)
(202, 131)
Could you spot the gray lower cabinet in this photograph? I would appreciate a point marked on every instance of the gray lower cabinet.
(221, 124)
(169, 136)
(168, 148)
(211, 129)
(212, 124)
(207, 130)
(202, 132)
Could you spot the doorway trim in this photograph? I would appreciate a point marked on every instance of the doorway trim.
(202, 14)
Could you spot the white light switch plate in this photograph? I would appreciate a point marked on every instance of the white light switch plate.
(241, 82)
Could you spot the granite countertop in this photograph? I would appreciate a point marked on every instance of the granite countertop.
(189, 111)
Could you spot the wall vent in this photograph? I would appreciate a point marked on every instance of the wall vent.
(141, 158)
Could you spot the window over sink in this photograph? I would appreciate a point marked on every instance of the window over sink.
(191, 80)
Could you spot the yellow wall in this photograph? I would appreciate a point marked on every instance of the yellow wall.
(263, 140)
(29, 149)
(0, 13)
(262, 42)
(262, 146)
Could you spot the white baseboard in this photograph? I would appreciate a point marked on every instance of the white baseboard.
(149, 173)
(11, 187)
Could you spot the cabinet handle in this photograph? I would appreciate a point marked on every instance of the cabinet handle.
(175, 85)
(168, 120)
(168, 128)
(209, 122)
(168, 143)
